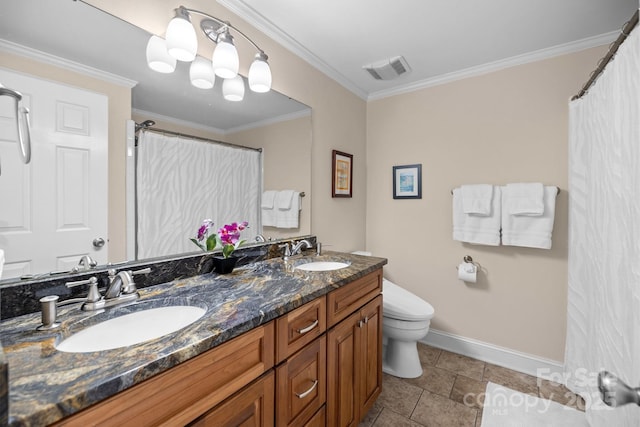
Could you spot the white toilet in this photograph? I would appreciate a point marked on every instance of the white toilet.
(405, 320)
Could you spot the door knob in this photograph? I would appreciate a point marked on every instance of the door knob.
(98, 242)
(615, 392)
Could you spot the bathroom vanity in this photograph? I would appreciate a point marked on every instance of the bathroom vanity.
(277, 346)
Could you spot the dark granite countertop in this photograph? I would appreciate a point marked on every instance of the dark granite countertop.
(46, 385)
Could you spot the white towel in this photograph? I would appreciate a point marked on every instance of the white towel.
(524, 199)
(476, 199)
(268, 198)
(480, 230)
(289, 218)
(1, 262)
(531, 231)
(284, 199)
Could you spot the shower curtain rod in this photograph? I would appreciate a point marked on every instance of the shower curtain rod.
(207, 140)
(613, 48)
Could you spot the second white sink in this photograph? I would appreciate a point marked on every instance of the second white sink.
(131, 329)
(322, 266)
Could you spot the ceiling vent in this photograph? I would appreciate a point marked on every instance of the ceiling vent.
(388, 69)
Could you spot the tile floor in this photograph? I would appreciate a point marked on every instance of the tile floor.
(449, 392)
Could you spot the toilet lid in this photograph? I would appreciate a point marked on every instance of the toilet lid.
(398, 303)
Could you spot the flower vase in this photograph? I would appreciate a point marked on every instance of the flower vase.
(224, 265)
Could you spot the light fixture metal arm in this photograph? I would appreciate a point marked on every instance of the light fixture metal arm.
(224, 24)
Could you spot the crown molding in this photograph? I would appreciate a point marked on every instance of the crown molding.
(274, 32)
(37, 55)
(254, 18)
(178, 122)
(270, 121)
(491, 67)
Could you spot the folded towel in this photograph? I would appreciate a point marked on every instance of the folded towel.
(289, 218)
(531, 231)
(476, 199)
(524, 199)
(284, 199)
(477, 229)
(268, 198)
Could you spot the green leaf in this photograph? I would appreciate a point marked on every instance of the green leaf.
(212, 242)
(198, 244)
(238, 243)
(227, 250)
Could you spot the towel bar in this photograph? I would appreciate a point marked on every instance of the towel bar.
(557, 188)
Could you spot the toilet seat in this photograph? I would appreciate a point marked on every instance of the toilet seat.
(400, 304)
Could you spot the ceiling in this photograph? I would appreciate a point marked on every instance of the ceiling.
(440, 39)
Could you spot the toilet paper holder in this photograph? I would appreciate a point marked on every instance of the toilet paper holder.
(468, 259)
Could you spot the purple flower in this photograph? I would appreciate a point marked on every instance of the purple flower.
(204, 229)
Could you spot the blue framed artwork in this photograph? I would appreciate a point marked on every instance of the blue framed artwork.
(407, 182)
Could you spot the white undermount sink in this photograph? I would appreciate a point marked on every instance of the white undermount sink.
(322, 266)
(130, 329)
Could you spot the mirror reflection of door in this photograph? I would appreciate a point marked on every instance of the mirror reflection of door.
(52, 209)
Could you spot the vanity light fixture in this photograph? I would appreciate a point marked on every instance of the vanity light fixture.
(181, 44)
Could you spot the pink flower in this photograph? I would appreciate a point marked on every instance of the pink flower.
(204, 229)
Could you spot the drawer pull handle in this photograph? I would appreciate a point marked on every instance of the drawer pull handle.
(306, 393)
(308, 328)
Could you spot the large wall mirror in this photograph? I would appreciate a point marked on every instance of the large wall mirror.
(74, 32)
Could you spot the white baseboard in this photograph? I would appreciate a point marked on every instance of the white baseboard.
(501, 356)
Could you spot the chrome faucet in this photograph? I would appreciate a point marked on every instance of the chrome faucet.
(86, 263)
(121, 289)
(295, 249)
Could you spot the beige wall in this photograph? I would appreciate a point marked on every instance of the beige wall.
(286, 157)
(338, 116)
(119, 113)
(173, 126)
(507, 126)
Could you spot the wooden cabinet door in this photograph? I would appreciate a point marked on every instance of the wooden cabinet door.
(301, 384)
(251, 407)
(370, 352)
(342, 367)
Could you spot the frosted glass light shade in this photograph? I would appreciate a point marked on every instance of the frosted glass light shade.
(225, 58)
(201, 73)
(260, 75)
(233, 89)
(158, 58)
(182, 42)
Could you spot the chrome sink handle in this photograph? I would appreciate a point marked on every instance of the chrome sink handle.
(94, 294)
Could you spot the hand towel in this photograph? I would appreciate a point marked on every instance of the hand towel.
(524, 199)
(531, 231)
(284, 199)
(477, 229)
(268, 198)
(476, 199)
(289, 218)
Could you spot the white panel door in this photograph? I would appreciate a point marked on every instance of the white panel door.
(52, 209)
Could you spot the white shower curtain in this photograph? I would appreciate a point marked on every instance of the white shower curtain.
(603, 317)
(182, 181)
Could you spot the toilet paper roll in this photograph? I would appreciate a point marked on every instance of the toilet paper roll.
(467, 272)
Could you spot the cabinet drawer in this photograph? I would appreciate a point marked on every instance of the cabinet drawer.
(299, 327)
(319, 419)
(301, 384)
(349, 298)
(183, 393)
(250, 407)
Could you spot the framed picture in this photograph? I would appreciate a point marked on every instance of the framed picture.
(407, 182)
(342, 174)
